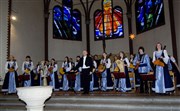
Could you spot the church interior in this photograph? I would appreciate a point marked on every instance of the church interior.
(132, 45)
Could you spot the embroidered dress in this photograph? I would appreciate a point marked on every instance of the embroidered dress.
(163, 82)
(11, 77)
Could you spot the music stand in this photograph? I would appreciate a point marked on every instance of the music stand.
(119, 75)
(149, 78)
(71, 76)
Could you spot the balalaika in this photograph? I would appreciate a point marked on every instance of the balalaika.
(101, 68)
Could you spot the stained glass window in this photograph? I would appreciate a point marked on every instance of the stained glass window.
(108, 22)
(149, 14)
(66, 22)
(117, 22)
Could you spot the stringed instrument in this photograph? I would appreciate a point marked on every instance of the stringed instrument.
(62, 71)
(131, 66)
(137, 66)
(158, 62)
(101, 68)
(50, 69)
(27, 71)
(11, 70)
(116, 69)
(120, 65)
(121, 72)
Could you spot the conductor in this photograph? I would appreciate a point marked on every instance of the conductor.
(86, 63)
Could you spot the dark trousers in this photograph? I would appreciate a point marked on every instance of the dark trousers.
(137, 77)
(86, 80)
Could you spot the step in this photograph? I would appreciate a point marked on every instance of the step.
(22, 108)
(98, 103)
(96, 99)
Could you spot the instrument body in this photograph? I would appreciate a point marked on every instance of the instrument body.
(116, 69)
(119, 71)
(62, 71)
(101, 68)
(11, 70)
(131, 66)
(27, 71)
(120, 65)
(159, 62)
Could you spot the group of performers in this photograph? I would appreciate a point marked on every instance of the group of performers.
(89, 73)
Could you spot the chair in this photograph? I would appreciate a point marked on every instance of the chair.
(173, 77)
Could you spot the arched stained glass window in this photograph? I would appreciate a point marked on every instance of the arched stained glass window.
(76, 24)
(149, 14)
(118, 21)
(108, 22)
(98, 24)
(66, 22)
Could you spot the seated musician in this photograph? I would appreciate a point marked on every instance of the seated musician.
(142, 66)
(67, 67)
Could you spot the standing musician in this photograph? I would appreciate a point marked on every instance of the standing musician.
(131, 60)
(115, 69)
(106, 81)
(72, 63)
(77, 86)
(142, 66)
(176, 70)
(43, 72)
(124, 83)
(54, 82)
(37, 78)
(163, 83)
(11, 77)
(86, 63)
(66, 65)
(94, 78)
(97, 59)
(27, 70)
